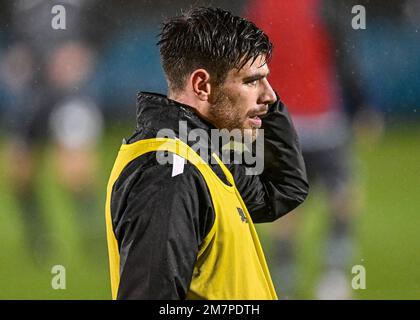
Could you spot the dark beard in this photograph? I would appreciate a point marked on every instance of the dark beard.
(222, 113)
(224, 116)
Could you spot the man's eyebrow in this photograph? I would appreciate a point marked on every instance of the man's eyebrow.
(256, 76)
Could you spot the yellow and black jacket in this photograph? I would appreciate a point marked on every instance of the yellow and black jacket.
(191, 235)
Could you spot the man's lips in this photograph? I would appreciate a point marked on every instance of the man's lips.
(256, 121)
(258, 112)
(254, 117)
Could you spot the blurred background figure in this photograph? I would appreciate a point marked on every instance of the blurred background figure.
(46, 74)
(313, 68)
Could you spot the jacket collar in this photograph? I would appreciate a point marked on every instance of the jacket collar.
(155, 112)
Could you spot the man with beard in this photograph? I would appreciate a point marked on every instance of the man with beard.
(184, 230)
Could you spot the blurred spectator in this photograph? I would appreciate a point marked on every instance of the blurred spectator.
(46, 73)
(317, 80)
(383, 57)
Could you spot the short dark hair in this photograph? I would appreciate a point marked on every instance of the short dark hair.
(209, 38)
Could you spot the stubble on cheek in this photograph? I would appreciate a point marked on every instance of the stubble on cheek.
(224, 114)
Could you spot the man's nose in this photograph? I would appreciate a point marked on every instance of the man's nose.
(268, 96)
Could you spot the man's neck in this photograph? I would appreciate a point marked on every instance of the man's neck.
(187, 100)
(181, 98)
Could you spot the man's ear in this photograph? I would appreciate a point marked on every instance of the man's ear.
(200, 81)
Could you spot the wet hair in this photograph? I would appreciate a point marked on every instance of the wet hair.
(212, 39)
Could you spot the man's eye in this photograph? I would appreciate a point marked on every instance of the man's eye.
(252, 83)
